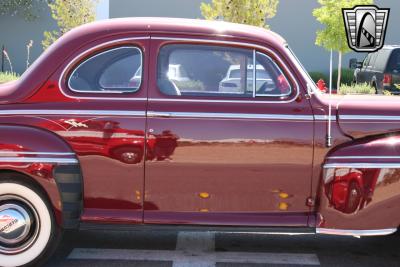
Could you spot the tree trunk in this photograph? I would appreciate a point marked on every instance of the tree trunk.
(339, 75)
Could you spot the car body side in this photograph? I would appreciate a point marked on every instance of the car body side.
(79, 130)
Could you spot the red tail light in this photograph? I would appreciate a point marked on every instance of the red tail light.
(387, 80)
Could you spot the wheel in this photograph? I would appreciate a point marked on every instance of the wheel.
(28, 233)
(375, 87)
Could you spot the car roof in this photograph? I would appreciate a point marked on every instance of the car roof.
(153, 25)
(391, 46)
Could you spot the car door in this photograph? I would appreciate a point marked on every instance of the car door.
(223, 153)
(370, 71)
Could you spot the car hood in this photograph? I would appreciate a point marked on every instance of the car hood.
(366, 115)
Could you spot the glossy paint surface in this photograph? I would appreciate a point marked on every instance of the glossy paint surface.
(219, 162)
(249, 171)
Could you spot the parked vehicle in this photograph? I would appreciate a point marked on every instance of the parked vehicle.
(380, 69)
(231, 82)
(84, 147)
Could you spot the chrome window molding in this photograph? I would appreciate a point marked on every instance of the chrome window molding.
(356, 233)
(8, 152)
(38, 160)
(277, 66)
(73, 112)
(75, 60)
(106, 91)
(370, 117)
(364, 157)
(249, 45)
(363, 165)
(229, 116)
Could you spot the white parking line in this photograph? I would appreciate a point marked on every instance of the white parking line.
(194, 250)
(195, 243)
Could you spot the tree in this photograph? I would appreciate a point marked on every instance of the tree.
(333, 36)
(25, 8)
(253, 12)
(69, 14)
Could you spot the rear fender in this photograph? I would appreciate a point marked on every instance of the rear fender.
(50, 163)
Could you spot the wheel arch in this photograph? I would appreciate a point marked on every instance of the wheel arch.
(47, 161)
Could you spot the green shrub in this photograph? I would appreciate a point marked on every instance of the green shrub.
(316, 75)
(8, 76)
(387, 92)
(347, 77)
(356, 89)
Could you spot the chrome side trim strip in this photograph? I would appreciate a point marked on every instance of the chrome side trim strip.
(8, 152)
(324, 117)
(72, 112)
(369, 117)
(364, 157)
(74, 61)
(363, 165)
(39, 160)
(250, 45)
(356, 233)
(229, 115)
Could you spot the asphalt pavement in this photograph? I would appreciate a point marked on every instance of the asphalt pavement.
(206, 249)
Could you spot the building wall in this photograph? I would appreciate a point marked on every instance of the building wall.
(16, 32)
(294, 21)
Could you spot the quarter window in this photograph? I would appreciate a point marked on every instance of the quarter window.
(117, 70)
(204, 70)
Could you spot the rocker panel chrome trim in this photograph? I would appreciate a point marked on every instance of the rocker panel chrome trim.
(356, 233)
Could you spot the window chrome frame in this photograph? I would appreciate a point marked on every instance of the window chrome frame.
(279, 68)
(262, 49)
(90, 57)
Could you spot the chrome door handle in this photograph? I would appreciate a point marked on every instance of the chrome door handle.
(155, 114)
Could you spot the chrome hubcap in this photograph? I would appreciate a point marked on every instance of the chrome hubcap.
(19, 225)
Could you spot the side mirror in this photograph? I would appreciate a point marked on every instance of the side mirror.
(353, 63)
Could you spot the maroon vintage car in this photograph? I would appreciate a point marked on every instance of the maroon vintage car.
(127, 123)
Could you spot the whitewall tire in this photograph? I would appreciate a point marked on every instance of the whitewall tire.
(26, 224)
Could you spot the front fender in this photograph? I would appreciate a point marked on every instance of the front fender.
(360, 187)
(50, 163)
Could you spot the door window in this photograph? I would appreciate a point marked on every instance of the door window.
(216, 71)
(366, 60)
(116, 70)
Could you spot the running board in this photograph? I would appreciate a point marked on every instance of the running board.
(237, 229)
(356, 233)
(199, 228)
